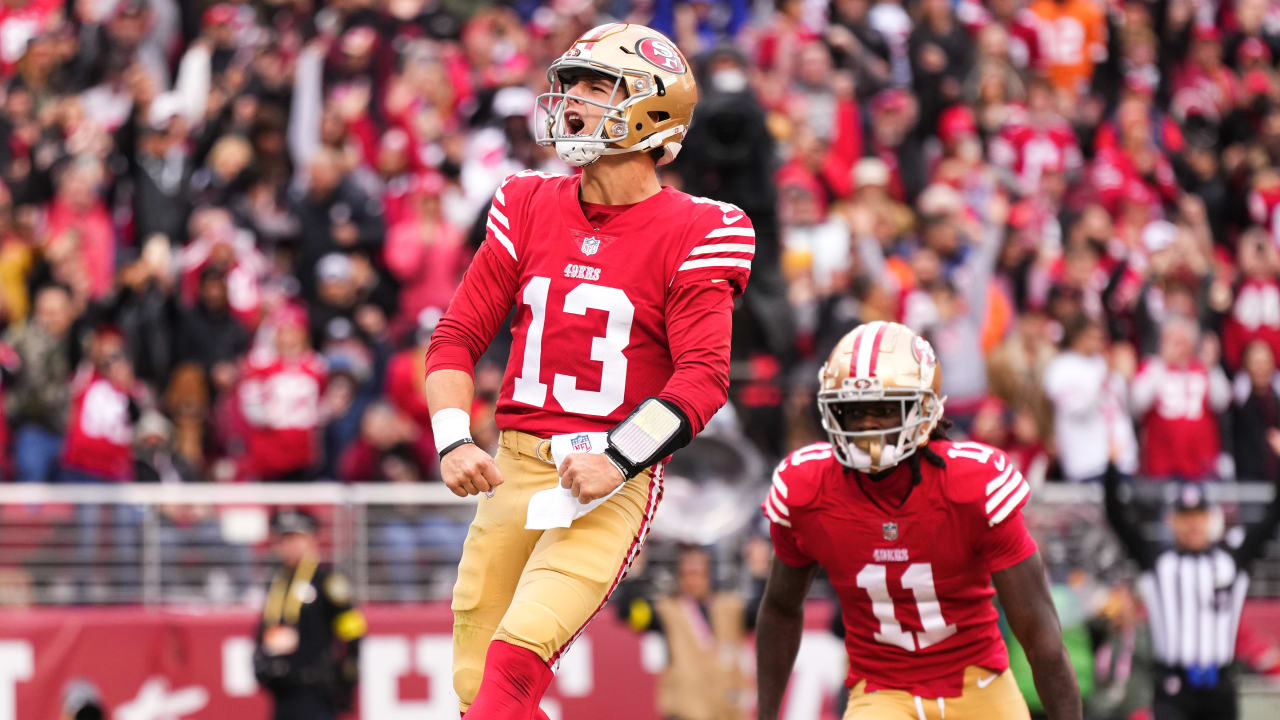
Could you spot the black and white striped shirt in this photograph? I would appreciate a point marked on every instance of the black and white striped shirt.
(1194, 599)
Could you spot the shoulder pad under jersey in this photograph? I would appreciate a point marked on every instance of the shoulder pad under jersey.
(796, 481)
(983, 477)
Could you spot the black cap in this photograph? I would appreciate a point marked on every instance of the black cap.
(1191, 496)
(293, 521)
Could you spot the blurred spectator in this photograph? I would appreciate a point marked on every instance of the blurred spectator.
(1255, 310)
(1122, 658)
(1015, 368)
(279, 399)
(1033, 142)
(1074, 38)
(38, 399)
(1177, 396)
(336, 216)
(1087, 391)
(1255, 422)
(208, 335)
(106, 400)
(941, 57)
(81, 246)
(161, 172)
(952, 310)
(858, 46)
(424, 252)
(384, 433)
(704, 630)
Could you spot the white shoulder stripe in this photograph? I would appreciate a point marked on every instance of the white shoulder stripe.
(713, 262)
(731, 231)
(724, 247)
(991, 486)
(496, 214)
(1010, 505)
(778, 483)
(993, 501)
(499, 197)
(774, 516)
(778, 503)
(497, 234)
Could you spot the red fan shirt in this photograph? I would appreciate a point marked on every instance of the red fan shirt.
(1254, 316)
(914, 582)
(1026, 150)
(100, 433)
(634, 304)
(1179, 431)
(280, 405)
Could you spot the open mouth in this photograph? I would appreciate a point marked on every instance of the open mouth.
(574, 123)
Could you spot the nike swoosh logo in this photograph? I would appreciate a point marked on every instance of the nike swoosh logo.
(731, 219)
(986, 681)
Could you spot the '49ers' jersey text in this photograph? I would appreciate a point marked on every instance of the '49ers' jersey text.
(914, 582)
(606, 314)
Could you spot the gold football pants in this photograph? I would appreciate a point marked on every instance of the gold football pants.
(986, 695)
(539, 588)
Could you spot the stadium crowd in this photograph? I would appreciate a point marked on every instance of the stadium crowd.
(226, 230)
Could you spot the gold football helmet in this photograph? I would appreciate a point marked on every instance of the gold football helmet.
(651, 104)
(882, 363)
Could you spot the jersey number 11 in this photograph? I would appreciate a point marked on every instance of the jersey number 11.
(918, 578)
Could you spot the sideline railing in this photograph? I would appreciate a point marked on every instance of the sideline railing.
(210, 543)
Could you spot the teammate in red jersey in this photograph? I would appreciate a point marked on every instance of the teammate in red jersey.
(623, 292)
(912, 530)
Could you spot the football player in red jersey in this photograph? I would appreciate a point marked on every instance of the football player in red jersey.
(912, 530)
(623, 291)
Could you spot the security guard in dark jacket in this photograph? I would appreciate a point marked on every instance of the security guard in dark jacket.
(309, 637)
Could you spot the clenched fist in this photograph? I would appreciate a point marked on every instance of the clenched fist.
(468, 470)
(589, 476)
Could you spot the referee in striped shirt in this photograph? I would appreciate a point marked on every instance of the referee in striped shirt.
(1194, 592)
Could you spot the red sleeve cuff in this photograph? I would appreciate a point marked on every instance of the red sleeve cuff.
(449, 357)
(786, 548)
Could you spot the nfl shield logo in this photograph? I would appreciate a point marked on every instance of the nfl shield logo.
(580, 443)
(590, 245)
(891, 531)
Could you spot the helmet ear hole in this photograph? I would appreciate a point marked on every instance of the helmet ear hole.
(658, 116)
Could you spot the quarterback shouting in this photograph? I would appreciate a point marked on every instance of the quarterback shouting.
(623, 291)
(912, 529)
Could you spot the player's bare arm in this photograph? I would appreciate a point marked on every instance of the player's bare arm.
(1024, 594)
(464, 467)
(779, 625)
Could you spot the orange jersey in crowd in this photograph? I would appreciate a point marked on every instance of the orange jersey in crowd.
(1073, 38)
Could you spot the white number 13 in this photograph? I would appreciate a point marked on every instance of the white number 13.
(605, 350)
(918, 578)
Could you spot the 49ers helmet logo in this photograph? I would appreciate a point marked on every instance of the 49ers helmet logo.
(661, 54)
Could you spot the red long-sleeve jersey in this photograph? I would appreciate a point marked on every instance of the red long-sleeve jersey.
(606, 314)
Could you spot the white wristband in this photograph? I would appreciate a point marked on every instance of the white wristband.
(449, 426)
